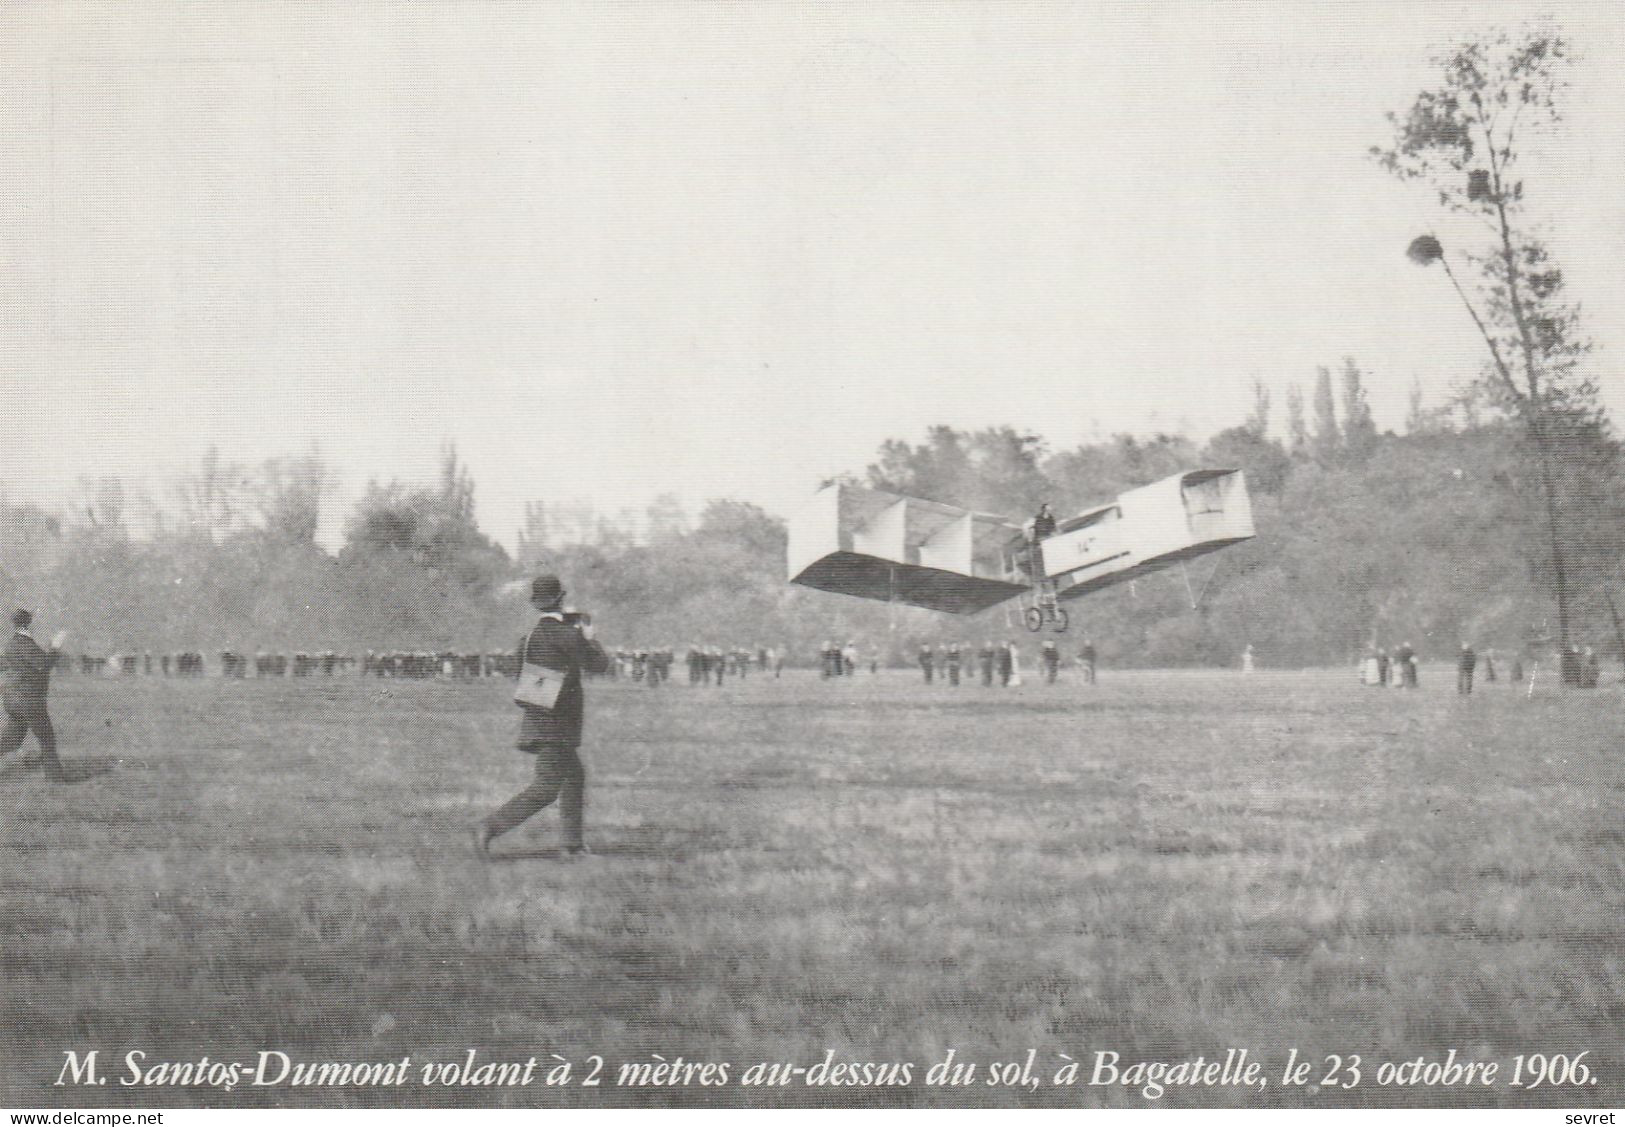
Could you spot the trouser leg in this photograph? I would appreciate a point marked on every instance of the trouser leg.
(541, 792)
(572, 797)
(17, 729)
(558, 771)
(12, 738)
(46, 735)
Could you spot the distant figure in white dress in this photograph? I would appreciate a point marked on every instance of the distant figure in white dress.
(1247, 659)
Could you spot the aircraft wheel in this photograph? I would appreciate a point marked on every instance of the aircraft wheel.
(1034, 619)
(1060, 620)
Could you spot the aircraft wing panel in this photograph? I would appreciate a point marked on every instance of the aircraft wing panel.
(1072, 585)
(865, 577)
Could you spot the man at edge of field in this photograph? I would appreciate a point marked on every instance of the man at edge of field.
(25, 678)
(552, 735)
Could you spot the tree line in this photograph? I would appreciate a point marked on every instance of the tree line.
(1431, 536)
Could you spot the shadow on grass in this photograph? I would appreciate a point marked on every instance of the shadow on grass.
(73, 770)
(627, 844)
(509, 856)
(90, 767)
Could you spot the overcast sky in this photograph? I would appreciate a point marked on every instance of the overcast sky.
(724, 249)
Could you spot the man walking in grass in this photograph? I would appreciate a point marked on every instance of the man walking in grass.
(25, 677)
(552, 733)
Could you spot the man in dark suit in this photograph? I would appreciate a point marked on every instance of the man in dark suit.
(25, 677)
(552, 735)
(1051, 655)
(1466, 661)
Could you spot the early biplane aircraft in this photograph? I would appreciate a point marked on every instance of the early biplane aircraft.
(885, 546)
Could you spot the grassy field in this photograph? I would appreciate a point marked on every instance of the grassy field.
(1163, 866)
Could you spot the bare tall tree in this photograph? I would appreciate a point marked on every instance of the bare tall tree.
(1464, 140)
(213, 497)
(1328, 435)
(1359, 429)
(1297, 427)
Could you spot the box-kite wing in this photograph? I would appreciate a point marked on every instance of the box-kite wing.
(878, 545)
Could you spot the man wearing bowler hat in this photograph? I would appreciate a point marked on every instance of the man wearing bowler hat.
(553, 735)
(25, 676)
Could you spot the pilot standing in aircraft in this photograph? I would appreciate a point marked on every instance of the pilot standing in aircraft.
(1043, 527)
(1043, 523)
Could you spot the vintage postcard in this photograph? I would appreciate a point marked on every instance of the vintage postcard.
(697, 554)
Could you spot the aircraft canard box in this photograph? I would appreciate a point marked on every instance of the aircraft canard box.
(1147, 529)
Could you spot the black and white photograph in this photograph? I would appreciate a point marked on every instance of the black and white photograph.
(899, 555)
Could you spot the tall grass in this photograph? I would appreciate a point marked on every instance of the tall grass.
(1165, 865)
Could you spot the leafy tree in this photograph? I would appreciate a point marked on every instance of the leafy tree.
(666, 519)
(289, 495)
(1007, 470)
(996, 469)
(214, 497)
(742, 525)
(1265, 463)
(30, 543)
(433, 528)
(103, 503)
(1091, 474)
(940, 469)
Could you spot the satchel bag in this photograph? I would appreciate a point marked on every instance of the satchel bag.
(538, 685)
